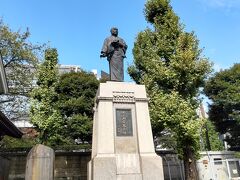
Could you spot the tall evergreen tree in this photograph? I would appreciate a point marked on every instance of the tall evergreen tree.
(44, 113)
(76, 92)
(210, 138)
(168, 61)
(224, 91)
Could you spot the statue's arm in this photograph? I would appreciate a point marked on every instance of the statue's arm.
(123, 45)
(104, 49)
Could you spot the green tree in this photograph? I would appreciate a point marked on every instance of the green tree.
(20, 58)
(168, 61)
(224, 91)
(44, 112)
(76, 91)
(210, 138)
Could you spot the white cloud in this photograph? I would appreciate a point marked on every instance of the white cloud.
(220, 66)
(228, 4)
(217, 67)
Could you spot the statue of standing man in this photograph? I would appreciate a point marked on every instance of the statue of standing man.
(114, 48)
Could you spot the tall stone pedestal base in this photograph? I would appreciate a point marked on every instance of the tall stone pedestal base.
(122, 146)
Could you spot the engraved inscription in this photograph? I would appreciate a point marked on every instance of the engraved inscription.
(124, 122)
(127, 97)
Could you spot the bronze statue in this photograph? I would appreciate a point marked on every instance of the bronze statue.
(114, 48)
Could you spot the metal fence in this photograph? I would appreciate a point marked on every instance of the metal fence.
(173, 167)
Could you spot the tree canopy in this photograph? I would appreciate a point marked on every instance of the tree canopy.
(62, 105)
(224, 111)
(44, 114)
(168, 61)
(20, 58)
(76, 92)
(210, 138)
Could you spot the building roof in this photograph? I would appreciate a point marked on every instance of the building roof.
(8, 128)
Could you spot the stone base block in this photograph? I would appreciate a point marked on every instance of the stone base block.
(152, 168)
(129, 177)
(103, 168)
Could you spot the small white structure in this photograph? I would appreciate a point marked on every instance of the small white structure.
(23, 122)
(122, 146)
(68, 68)
(218, 165)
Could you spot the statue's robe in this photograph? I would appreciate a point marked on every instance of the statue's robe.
(115, 55)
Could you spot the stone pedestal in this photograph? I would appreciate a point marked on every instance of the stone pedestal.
(122, 146)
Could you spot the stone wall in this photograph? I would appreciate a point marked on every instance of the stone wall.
(68, 165)
(4, 168)
(73, 165)
(17, 166)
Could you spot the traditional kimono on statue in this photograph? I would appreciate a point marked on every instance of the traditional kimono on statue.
(114, 48)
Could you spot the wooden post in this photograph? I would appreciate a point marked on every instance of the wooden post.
(40, 163)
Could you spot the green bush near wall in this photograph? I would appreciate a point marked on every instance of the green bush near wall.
(10, 142)
(25, 144)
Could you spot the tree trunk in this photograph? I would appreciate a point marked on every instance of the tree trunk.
(190, 167)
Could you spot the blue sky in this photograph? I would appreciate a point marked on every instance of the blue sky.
(77, 28)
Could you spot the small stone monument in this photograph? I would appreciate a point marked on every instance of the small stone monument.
(40, 163)
(122, 146)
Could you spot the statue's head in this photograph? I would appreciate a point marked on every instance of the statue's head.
(114, 31)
